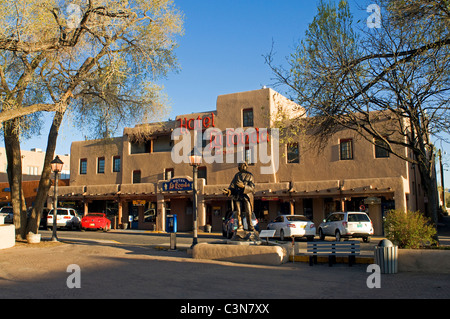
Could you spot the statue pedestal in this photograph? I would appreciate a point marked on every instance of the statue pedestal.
(245, 237)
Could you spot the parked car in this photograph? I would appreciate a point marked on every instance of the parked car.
(65, 217)
(230, 224)
(7, 212)
(347, 224)
(95, 221)
(293, 226)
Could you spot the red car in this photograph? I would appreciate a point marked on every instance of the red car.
(95, 221)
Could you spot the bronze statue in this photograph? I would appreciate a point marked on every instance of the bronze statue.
(241, 191)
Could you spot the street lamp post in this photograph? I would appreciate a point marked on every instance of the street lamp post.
(194, 160)
(57, 165)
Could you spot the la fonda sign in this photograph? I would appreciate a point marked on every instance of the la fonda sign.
(177, 184)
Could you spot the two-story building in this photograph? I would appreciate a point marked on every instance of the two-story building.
(144, 174)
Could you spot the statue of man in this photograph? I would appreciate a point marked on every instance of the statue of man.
(241, 191)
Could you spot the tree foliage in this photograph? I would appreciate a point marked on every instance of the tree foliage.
(97, 59)
(409, 229)
(389, 84)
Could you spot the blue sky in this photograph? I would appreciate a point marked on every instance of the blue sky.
(222, 52)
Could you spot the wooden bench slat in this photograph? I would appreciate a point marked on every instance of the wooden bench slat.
(349, 248)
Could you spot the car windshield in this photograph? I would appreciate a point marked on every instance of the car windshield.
(297, 218)
(358, 218)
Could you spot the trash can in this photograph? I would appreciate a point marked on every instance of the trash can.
(386, 256)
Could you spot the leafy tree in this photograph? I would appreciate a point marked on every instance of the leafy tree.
(389, 84)
(97, 60)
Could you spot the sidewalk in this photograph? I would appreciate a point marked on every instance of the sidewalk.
(121, 271)
(111, 270)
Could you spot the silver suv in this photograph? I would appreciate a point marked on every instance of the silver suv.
(347, 224)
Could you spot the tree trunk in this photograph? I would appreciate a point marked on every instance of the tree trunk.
(45, 181)
(14, 159)
(429, 186)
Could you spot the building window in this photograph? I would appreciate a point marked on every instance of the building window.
(168, 174)
(101, 165)
(83, 166)
(346, 149)
(381, 149)
(250, 157)
(293, 153)
(162, 143)
(247, 117)
(202, 173)
(33, 170)
(116, 164)
(136, 177)
(140, 148)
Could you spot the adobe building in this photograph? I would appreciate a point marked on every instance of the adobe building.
(142, 176)
(32, 165)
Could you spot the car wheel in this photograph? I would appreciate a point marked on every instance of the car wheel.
(282, 235)
(338, 235)
(321, 234)
(366, 239)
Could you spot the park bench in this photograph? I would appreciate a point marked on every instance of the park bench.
(333, 249)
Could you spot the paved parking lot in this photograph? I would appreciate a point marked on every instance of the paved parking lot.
(127, 269)
(111, 270)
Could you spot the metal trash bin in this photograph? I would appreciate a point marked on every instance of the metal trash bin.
(386, 256)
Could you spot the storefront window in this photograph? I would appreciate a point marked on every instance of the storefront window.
(150, 213)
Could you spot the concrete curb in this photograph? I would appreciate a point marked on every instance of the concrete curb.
(339, 259)
(247, 254)
(424, 260)
(7, 236)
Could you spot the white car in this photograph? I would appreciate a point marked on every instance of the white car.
(292, 226)
(65, 217)
(347, 224)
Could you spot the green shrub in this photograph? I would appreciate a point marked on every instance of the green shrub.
(409, 230)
